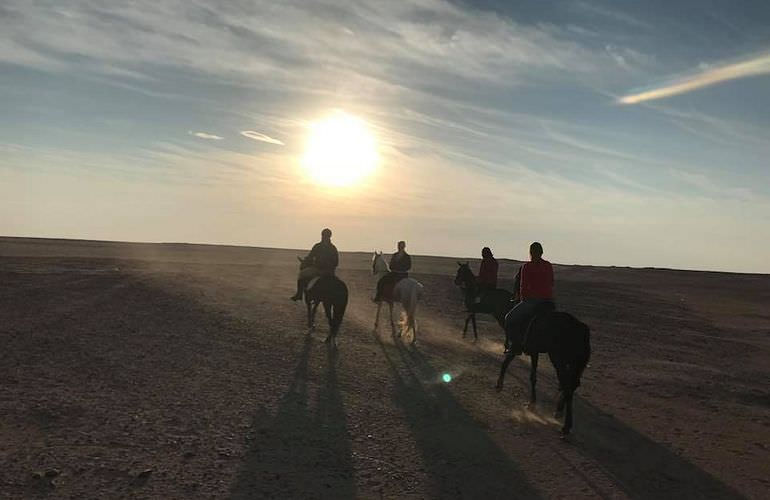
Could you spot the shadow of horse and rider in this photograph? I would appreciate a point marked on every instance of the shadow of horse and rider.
(566, 340)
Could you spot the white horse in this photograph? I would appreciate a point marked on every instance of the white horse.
(407, 292)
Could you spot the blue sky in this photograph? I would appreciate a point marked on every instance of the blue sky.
(498, 123)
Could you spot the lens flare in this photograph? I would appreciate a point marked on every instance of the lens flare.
(446, 378)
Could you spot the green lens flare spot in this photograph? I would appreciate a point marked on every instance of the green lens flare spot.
(446, 378)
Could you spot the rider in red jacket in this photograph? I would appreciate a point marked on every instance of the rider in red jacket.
(536, 291)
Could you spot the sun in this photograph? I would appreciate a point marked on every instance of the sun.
(340, 151)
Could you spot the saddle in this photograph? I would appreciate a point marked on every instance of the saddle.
(536, 341)
(527, 339)
(389, 282)
(317, 283)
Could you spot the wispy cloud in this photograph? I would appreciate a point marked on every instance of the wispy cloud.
(205, 135)
(758, 65)
(260, 137)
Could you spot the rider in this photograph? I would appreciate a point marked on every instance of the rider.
(322, 259)
(536, 291)
(487, 280)
(400, 264)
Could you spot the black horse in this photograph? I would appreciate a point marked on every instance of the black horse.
(566, 340)
(495, 302)
(333, 294)
(568, 344)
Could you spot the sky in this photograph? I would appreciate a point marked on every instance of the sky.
(614, 132)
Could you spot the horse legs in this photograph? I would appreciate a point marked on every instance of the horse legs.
(567, 382)
(392, 323)
(377, 316)
(506, 361)
(568, 417)
(560, 405)
(332, 327)
(310, 314)
(412, 323)
(533, 377)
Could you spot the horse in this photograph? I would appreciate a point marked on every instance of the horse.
(496, 302)
(568, 344)
(407, 292)
(333, 294)
(566, 340)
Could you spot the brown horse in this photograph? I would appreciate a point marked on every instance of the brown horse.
(333, 294)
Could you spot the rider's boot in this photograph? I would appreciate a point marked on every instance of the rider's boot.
(298, 295)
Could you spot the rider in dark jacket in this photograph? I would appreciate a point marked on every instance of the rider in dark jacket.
(322, 259)
(400, 264)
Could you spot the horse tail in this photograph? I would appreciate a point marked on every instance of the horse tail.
(339, 305)
(584, 352)
(414, 296)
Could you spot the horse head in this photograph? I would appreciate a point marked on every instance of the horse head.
(378, 263)
(464, 276)
(303, 263)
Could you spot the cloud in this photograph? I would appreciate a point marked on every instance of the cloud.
(414, 44)
(708, 76)
(260, 137)
(205, 135)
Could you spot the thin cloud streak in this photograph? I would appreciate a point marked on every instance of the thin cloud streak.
(261, 137)
(757, 66)
(205, 135)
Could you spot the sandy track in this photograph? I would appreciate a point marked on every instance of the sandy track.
(179, 372)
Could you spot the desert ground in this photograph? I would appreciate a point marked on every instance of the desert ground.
(184, 371)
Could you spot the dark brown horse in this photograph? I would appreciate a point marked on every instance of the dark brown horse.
(566, 340)
(495, 302)
(333, 294)
(568, 344)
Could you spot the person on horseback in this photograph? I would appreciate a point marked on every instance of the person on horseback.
(535, 293)
(400, 264)
(322, 259)
(487, 279)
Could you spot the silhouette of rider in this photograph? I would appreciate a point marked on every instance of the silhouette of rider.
(535, 292)
(487, 279)
(400, 264)
(321, 261)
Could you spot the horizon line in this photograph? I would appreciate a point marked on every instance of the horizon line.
(235, 245)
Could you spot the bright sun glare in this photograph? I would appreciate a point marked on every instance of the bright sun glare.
(340, 151)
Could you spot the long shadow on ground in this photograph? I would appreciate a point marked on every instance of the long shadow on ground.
(298, 454)
(459, 455)
(641, 467)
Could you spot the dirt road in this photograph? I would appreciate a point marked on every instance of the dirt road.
(177, 371)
